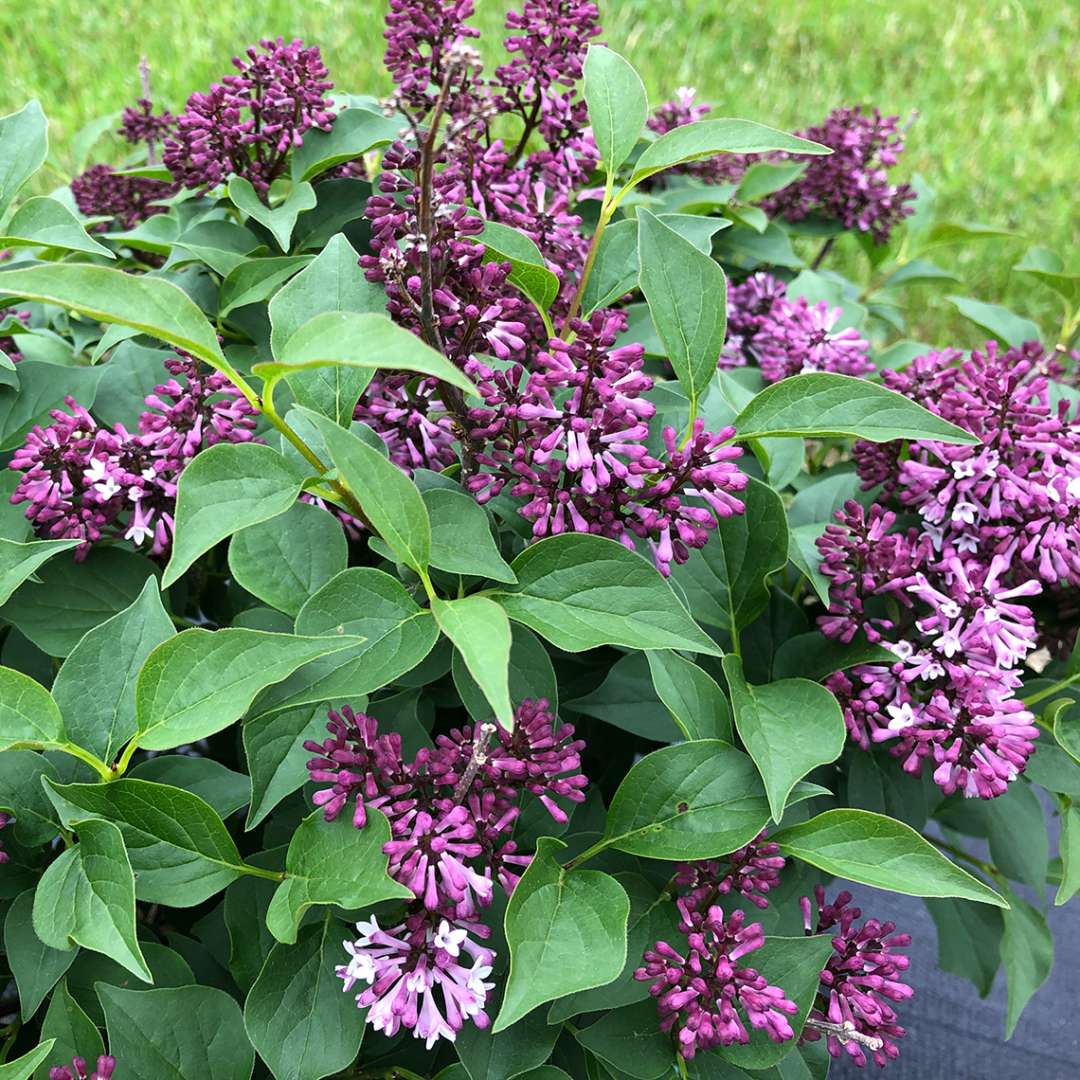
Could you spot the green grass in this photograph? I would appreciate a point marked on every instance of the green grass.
(995, 135)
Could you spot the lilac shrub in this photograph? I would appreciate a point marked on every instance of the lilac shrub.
(516, 457)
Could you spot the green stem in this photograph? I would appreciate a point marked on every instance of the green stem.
(95, 763)
(607, 208)
(681, 1061)
(125, 758)
(587, 854)
(258, 871)
(1050, 691)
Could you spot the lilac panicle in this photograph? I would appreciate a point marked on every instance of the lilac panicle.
(248, 124)
(850, 185)
(100, 191)
(703, 996)
(451, 811)
(751, 871)
(88, 482)
(863, 977)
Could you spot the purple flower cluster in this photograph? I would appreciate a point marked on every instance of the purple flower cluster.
(863, 975)
(703, 995)
(140, 124)
(126, 200)
(751, 871)
(570, 436)
(851, 185)
(101, 191)
(8, 345)
(89, 482)
(999, 524)
(949, 699)
(451, 812)
(412, 421)
(786, 335)
(5, 820)
(698, 987)
(248, 124)
(78, 1071)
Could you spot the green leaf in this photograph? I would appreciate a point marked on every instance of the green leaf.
(653, 917)
(823, 405)
(917, 272)
(22, 1067)
(1069, 845)
(999, 321)
(257, 279)
(359, 601)
(296, 1015)
(75, 1034)
(627, 700)
(95, 686)
(21, 793)
(706, 138)
(35, 966)
(566, 931)
(1027, 951)
(179, 848)
(332, 862)
(882, 852)
(461, 540)
(1019, 845)
(727, 581)
(167, 967)
(224, 489)
(87, 897)
(19, 561)
(29, 716)
(388, 497)
(528, 270)
(580, 591)
(803, 552)
(510, 1054)
(150, 305)
(691, 695)
(694, 800)
(531, 675)
(201, 681)
(765, 177)
(814, 656)
(687, 295)
(332, 282)
(480, 631)
(969, 940)
(788, 727)
(281, 219)
(796, 964)
(1046, 266)
(144, 1034)
(629, 1038)
(226, 791)
(369, 341)
(274, 749)
(948, 233)
(24, 144)
(353, 132)
(615, 266)
(617, 102)
(44, 222)
(285, 560)
(72, 598)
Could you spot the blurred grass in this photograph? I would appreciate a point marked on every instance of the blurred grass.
(998, 111)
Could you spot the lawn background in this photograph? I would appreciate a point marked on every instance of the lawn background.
(998, 110)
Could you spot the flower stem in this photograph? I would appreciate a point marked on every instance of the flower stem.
(607, 208)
